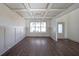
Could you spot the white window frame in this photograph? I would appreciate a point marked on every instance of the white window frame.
(60, 28)
(40, 27)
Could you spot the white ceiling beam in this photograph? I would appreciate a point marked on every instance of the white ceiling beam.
(49, 7)
(37, 17)
(28, 7)
(37, 9)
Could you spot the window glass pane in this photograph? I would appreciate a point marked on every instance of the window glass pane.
(43, 29)
(37, 26)
(37, 29)
(43, 24)
(32, 24)
(60, 28)
(32, 27)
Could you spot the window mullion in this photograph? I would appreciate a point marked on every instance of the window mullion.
(35, 26)
(40, 26)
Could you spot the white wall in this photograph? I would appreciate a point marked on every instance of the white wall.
(12, 28)
(1, 40)
(73, 28)
(28, 33)
(64, 20)
(71, 21)
(53, 29)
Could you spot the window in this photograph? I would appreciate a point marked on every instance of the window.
(60, 28)
(38, 27)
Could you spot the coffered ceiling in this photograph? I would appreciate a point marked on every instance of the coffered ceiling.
(38, 10)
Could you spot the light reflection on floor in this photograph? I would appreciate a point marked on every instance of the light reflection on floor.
(38, 42)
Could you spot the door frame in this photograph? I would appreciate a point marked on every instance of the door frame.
(63, 30)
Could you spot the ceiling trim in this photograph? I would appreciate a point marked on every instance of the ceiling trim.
(38, 9)
(28, 8)
(49, 6)
(70, 9)
(12, 10)
(37, 17)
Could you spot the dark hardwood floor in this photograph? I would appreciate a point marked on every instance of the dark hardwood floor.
(44, 47)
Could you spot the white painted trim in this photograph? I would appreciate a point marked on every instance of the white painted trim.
(49, 6)
(36, 9)
(37, 17)
(70, 9)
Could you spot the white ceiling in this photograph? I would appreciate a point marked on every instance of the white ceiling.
(16, 5)
(38, 10)
(38, 5)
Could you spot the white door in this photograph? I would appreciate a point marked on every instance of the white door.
(60, 30)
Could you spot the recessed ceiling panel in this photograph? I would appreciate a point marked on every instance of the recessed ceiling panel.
(38, 13)
(33, 19)
(38, 10)
(38, 5)
(47, 18)
(24, 13)
(37, 18)
(60, 5)
(28, 18)
(53, 13)
(15, 5)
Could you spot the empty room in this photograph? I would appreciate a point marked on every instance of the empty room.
(39, 29)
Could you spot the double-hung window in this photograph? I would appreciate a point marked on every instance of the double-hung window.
(38, 27)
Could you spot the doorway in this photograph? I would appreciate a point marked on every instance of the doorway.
(60, 30)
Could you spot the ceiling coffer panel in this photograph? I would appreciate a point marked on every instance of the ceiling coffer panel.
(33, 18)
(53, 13)
(47, 18)
(38, 10)
(38, 13)
(38, 5)
(16, 5)
(60, 5)
(24, 13)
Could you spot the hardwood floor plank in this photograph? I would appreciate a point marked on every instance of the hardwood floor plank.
(44, 46)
